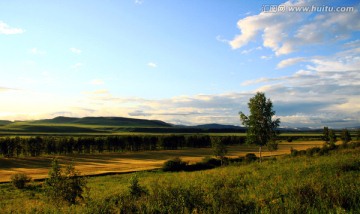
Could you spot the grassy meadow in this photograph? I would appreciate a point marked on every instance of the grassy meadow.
(328, 183)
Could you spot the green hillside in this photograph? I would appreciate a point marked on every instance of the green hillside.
(86, 125)
(104, 121)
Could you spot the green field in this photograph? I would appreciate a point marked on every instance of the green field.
(305, 184)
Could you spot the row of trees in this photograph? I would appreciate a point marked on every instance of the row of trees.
(35, 146)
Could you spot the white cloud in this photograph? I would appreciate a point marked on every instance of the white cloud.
(7, 30)
(285, 32)
(75, 50)
(251, 50)
(152, 65)
(138, 1)
(96, 82)
(266, 57)
(36, 51)
(220, 39)
(326, 93)
(348, 60)
(289, 62)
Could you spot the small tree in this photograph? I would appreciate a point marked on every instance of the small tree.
(325, 136)
(261, 128)
(219, 148)
(345, 136)
(64, 186)
(135, 189)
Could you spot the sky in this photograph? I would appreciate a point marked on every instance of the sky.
(181, 61)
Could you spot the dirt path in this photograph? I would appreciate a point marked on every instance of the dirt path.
(93, 164)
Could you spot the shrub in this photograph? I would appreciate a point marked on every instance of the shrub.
(294, 152)
(312, 151)
(135, 189)
(174, 165)
(290, 139)
(62, 186)
(211, 161)
(20, 180)
(250, 157)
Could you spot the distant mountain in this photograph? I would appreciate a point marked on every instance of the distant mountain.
(218, 126)
(113, 125)
(104, 121)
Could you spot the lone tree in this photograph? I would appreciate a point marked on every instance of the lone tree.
(261, 127)
(219, 149)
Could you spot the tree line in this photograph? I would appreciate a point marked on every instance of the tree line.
(61, 145)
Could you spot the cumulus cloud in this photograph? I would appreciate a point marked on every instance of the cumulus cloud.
(7, 30)
(326, 93)
(285, 32)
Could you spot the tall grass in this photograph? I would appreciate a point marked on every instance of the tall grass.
(319, 184)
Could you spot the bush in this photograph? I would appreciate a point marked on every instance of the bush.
(211, 161)
(20, 180)
(250, 157)
(60, 186)
(294, 152)
(312, 151)
(174, 165)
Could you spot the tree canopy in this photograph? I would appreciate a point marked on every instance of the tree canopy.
(261, 126)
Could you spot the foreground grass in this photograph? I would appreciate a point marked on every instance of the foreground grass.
(321, 184)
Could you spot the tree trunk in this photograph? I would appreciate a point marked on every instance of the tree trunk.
(260, 154)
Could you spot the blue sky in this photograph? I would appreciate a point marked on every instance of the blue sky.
(188, 62)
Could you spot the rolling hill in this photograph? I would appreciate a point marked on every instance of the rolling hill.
(85, 125)
(104, 121)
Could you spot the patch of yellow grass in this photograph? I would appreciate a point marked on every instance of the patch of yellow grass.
(92, 164)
